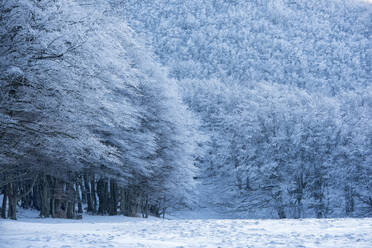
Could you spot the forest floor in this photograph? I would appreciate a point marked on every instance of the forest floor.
(119, 231)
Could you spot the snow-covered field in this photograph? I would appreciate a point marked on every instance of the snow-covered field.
(124, 232)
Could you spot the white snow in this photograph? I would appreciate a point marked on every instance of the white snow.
(119, 231)
(14, 71)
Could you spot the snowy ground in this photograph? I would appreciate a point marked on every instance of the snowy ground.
(124, 232)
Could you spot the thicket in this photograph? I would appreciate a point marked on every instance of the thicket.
(87, 118)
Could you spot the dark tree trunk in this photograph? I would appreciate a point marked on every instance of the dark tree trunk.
(87, 194)
(83, 183)
(145, 207)
(12, 214)
(59, 200)
(126, 203)
(45, 198)
(5, 199)
(163, 213)
(78, 190)
(70, 210)
(318, 190)
(113, 198)
(279, 205)
(155, 209)
(299, 191)
(26, 200)
(130, 203)
(35, 197)
(122, 201)
(12, 205)
(93, 194)
(281, 212)
(102, 191)
(349, 200)
(70, 201)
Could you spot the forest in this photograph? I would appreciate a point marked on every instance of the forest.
(127, 107)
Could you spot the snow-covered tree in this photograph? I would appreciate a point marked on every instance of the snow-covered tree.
(84, 103)
(317, 45)
(275, 149)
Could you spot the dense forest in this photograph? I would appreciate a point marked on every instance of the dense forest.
(134, 107)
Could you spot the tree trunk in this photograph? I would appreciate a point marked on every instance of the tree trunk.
(122, 201)
(102, 189)
(59, 200)
(130, 204)
(45, 198)
(87, 194)
(35, 197)
(349, 200)
(5, 199)
(299, 192)
(163, 213)
(79, 199)
(26, 201)
(145, 207)
(93, 194)
(281, 212)
(12, 209)
(12, 205)
(127, 203)
(318, 189)
(83, 183)
(70, 201)
(113, 198)
(279, 205)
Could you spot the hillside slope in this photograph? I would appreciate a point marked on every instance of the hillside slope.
(324, 46)
(283, 89)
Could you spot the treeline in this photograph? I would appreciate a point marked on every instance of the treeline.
(70, 197)
(87, 116)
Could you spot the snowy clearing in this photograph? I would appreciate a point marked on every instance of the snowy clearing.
(121, 231)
